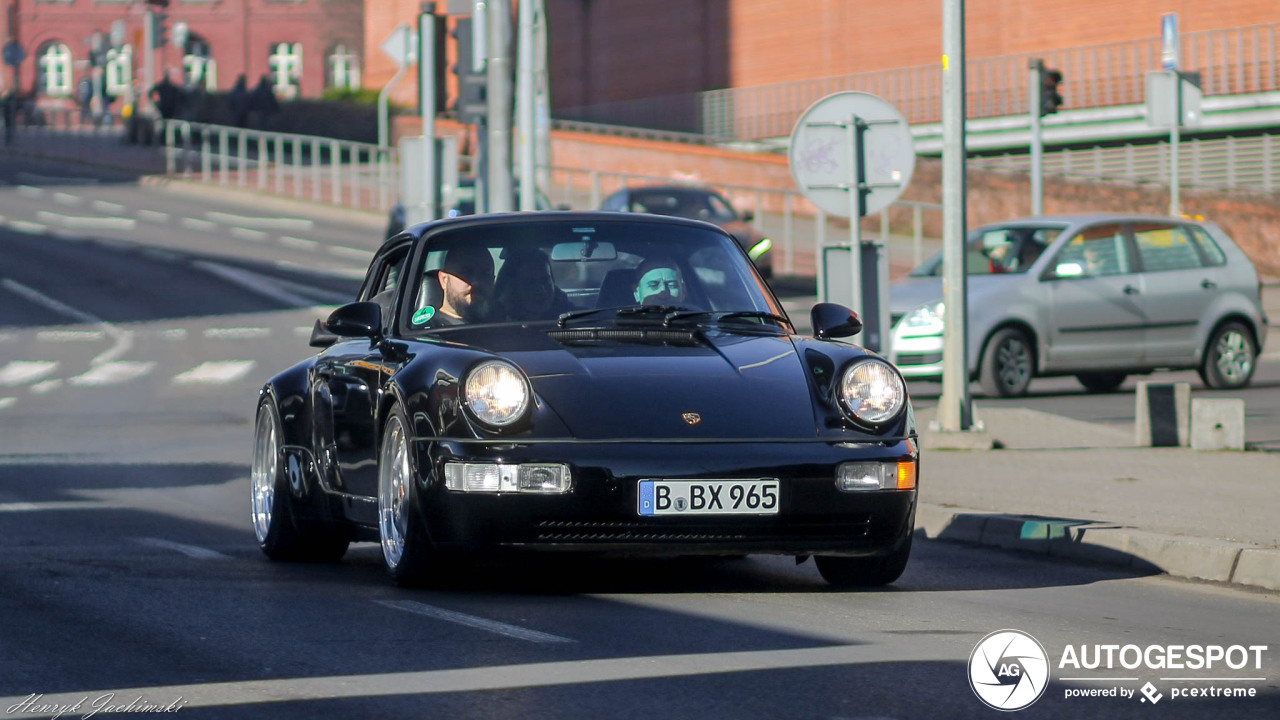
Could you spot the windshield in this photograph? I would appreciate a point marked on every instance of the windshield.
(550, 270)
(694, 204)
(998, 250)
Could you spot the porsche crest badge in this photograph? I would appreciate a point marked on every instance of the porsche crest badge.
(691, 418)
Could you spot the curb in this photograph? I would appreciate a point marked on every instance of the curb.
(1106, 544)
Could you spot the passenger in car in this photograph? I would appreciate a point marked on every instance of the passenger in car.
(659, 283)
(526, 289)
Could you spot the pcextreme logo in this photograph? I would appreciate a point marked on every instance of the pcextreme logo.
(1008, 670)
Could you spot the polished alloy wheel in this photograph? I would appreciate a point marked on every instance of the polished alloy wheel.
(266, 452)
(393, 492)
(1233, 356)
(1013, 362)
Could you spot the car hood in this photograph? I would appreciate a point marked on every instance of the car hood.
(721, 386)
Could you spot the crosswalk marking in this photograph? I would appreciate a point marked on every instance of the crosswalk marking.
(71, 335)
(215, 372)
(248, 234)
(174, 334)
(237, 333)
(112, 373)
(21, 372)
(7, 402)
(198, 224)
(66, 198)
(46, 386)
(108, 207)
(299, 243)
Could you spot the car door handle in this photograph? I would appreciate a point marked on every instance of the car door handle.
(1130, 290)
(1208, 284)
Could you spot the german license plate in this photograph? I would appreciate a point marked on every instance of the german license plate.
(709, 497)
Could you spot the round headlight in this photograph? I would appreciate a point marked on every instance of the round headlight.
(872, 392)
(496, 393)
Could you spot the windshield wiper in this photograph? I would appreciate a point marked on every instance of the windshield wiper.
(721, 316)
(623, 311)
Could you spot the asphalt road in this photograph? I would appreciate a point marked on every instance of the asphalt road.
(129, 362)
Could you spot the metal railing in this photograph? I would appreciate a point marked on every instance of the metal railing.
(1236, 163)
(362, 176)
(1235, 61)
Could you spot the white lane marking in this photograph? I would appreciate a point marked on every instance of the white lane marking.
(30, 228)
(298, 243)
(215, 373)
(87, 223)
(30, 192)
(198, 224)
(8, 402)
(21, 372)
(347, 272)
(237, 333)
(54, 505)
(122, 339)
(66, 198)
(351, 252)
(274, 223)
(152, 216)
(112, 373)
(493, 626)
(174, 334)
(283, 291)
(248, 234)
(107, 207)
(66, 336)
(193, 551)
(568, 673)
(47, 386)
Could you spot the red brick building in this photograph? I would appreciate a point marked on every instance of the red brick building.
(302, 46)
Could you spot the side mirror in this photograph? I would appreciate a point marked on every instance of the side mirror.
(830, 320)
(321, 338)
(361, 319)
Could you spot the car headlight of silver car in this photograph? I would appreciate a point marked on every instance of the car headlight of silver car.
(496, 393)
(872, 392)
(923, 321)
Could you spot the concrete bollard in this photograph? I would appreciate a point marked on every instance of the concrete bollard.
(1217, 424)
(1163, 414)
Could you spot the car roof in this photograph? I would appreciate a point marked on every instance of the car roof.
(1083, 218)
(670, 188)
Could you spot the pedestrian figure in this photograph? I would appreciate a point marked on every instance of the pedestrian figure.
(263, 103)
(10, 115)
(238, 102)
(167, 98)
(84, 92)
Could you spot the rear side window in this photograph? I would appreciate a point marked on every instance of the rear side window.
(1164, 247)
(1213, 254)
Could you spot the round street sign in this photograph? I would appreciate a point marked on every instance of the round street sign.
(820, 152)
(14, 53)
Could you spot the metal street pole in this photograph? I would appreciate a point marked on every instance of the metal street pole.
(855, 214)
(954, 412)
(525, 108)
(149, 59)
(499, 97)
(1035, 83)
(427, 81)
(1175, 139)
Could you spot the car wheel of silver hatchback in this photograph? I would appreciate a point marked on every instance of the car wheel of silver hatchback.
(1007, 364)
(1230, 358)
(404, 547)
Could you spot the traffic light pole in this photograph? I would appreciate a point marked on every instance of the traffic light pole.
(1035, 83)
(149, 59)
(954, 413)
(499, 99)
(1175, 139)
(427, 81)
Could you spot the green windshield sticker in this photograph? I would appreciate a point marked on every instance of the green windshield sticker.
(424, 315)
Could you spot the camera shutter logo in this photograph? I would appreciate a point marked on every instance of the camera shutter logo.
(1008, 670)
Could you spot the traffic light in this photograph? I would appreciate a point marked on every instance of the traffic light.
(1050, 95)
(471, 105)
(158, 35)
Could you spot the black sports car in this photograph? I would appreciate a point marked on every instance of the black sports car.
(626, 384)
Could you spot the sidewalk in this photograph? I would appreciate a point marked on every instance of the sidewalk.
(1077, 490)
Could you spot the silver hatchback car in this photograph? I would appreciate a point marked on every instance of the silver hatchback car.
(1098, 296)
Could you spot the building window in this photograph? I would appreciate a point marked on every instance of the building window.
(53, 69)
(119, 72)
(286, 68)
(344, 69)
(198, 66)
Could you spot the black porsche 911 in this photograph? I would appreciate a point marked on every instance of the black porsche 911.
(589, 382)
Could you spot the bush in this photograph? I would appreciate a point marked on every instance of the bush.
(363, 96)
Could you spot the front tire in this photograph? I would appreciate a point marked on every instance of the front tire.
(1230, 358)
(1007, 365)
(855, 572)
(281, 534)
(406, 549)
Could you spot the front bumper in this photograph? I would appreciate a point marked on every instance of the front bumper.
(601, 511)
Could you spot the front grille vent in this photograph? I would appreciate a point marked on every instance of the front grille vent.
(629, 532)
(661, 336)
